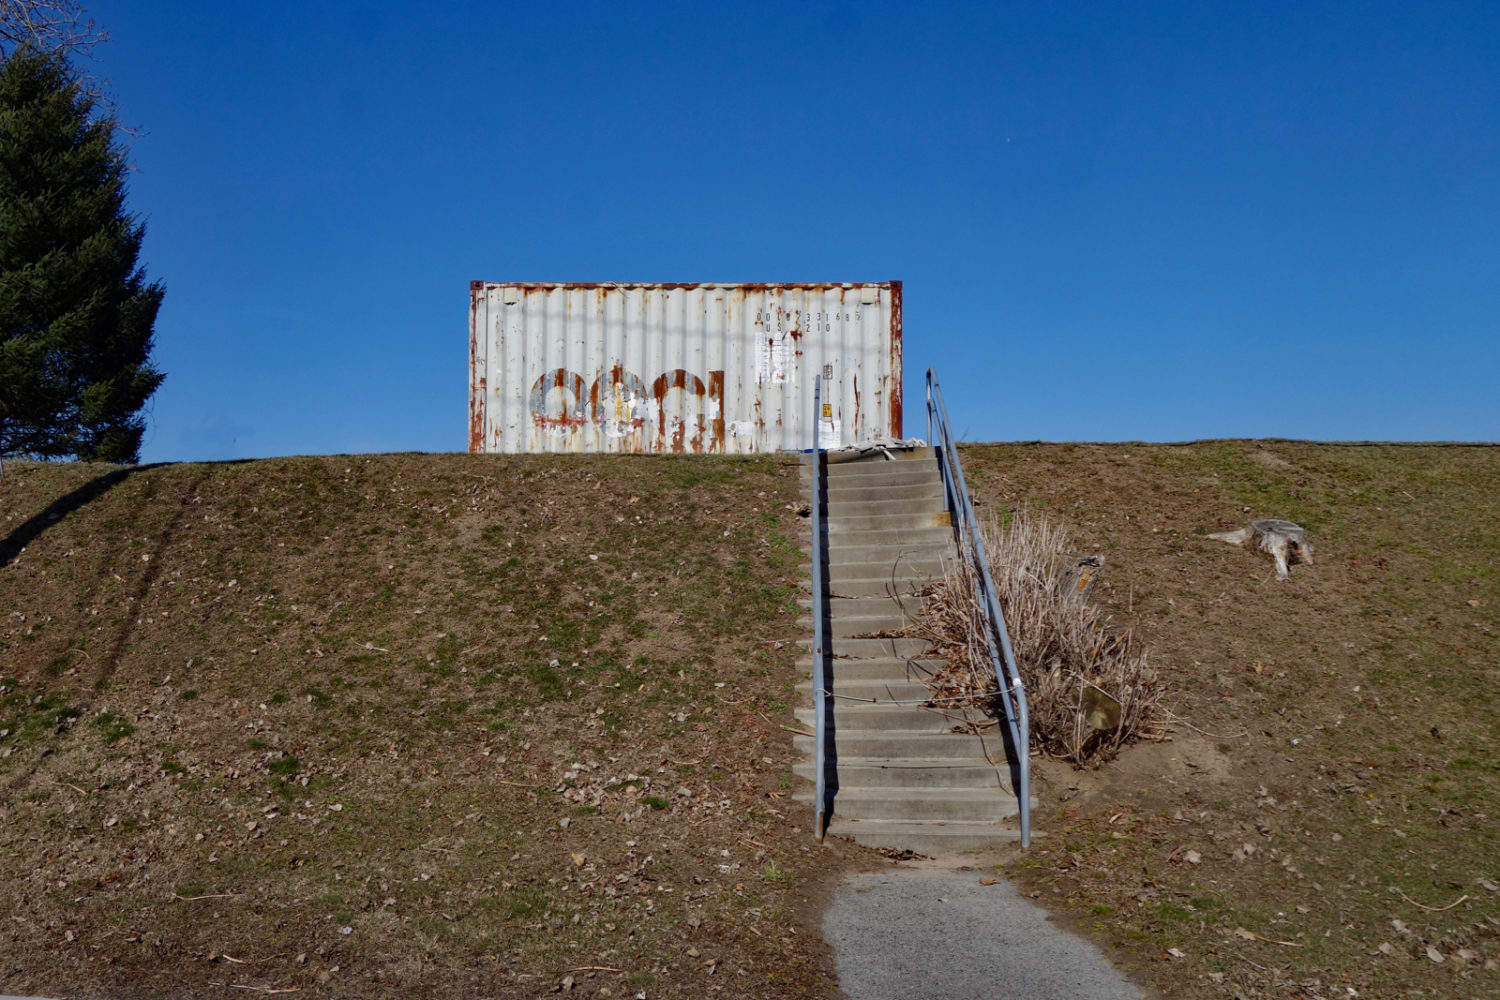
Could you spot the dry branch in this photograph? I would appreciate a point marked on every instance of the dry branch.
(1089, 687)
(57, 25)
(1433, 909)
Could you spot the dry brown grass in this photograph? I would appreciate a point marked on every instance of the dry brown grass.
(1090, 687)
(1334, 777)
(403, 725)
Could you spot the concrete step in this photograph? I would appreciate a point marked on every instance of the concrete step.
(882, 587)
(901, 744)
(862, 626)
(892, 669)
(920, 479)
(856, 606)
(924, 805)
(854, 492)
(856, 717)
(917, 772)
(902, 564)
(909, 480)
(902, 646)
(839, 510)
(922, 529)
(846, 460)
(933, 542)
(874, 692)
(872, 474)
(925, 838)
(893, 521)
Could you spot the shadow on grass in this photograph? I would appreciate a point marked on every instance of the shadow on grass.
(90, 491)
(826, 755)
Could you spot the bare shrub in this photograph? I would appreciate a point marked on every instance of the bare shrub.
(1089, 687)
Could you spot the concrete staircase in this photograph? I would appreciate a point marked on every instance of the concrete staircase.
(904, 780)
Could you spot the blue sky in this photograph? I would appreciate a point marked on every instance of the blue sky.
(1114, 221)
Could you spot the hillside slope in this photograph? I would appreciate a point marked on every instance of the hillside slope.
(247, 706)
(1332, 785)
(403, 724)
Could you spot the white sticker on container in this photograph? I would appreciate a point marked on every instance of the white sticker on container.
(774, 363)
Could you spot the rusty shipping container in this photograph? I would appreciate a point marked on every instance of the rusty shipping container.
(719, 368)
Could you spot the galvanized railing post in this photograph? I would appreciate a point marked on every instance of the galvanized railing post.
(819, 652)
(929, 410)
(1011, 691)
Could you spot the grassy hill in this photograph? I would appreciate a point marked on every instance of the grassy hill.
(429, 725)
(402, 725)
(1332, 785)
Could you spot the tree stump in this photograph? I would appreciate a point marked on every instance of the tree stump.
(1076, 576)
(1284, 541)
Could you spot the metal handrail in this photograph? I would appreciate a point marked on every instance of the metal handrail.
(1008, 687)
(820, 638)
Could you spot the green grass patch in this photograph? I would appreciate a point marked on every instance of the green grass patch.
(113, 727)
(285, 766)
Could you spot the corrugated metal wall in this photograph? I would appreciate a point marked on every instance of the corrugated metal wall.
(694, 368)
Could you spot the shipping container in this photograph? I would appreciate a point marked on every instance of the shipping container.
(718, 368)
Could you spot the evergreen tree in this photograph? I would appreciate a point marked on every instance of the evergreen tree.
(76, 312)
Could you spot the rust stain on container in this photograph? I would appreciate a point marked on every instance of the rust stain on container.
(894, 387)
(709, 368)
(478, 381)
